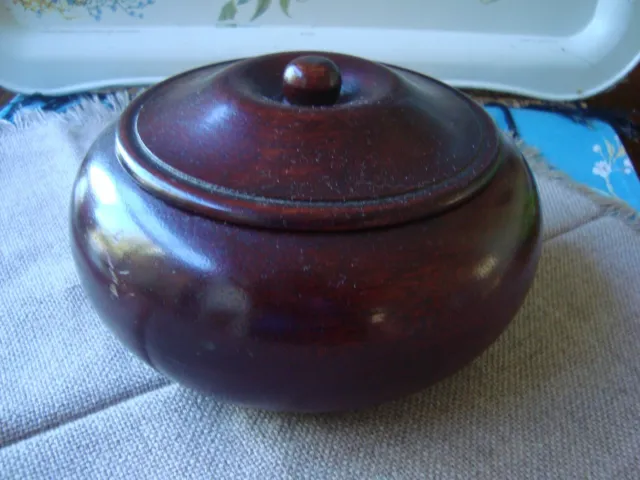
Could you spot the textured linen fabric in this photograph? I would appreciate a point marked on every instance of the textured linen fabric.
(557, 396)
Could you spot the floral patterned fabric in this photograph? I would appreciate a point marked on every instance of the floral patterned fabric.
(589, 152)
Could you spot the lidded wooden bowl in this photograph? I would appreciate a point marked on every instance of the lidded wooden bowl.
(304, 231)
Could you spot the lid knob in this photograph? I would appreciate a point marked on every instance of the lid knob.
(311, 80)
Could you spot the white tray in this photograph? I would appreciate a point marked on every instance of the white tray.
(550, 49)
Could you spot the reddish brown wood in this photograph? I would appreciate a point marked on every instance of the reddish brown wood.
(311, 80)
(396, 146)
(305, 319)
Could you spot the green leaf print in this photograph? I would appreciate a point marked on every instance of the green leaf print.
(284, 6)
(261, 7)
(228, 11)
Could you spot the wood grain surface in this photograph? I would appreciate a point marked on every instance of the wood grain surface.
(303, 321)
(359, 163)
(623, 98)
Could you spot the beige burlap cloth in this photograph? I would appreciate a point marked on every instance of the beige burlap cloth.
(558, 396)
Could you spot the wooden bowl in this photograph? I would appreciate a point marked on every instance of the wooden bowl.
(304, 231)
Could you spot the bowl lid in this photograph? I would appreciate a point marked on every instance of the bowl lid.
(308, 141)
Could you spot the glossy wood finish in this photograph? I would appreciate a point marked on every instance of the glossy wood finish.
(302, 319)
(396, 146)
(311, 80)
(623, 99)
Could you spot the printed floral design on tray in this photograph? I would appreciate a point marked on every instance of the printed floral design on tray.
(229, 10)
(613, 160)
(95, 8)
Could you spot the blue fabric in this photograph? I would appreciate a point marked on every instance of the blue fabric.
(591, 153)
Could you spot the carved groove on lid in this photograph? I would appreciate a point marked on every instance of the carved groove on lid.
(308, 141)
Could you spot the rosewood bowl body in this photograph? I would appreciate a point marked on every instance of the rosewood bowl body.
(287, 305)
